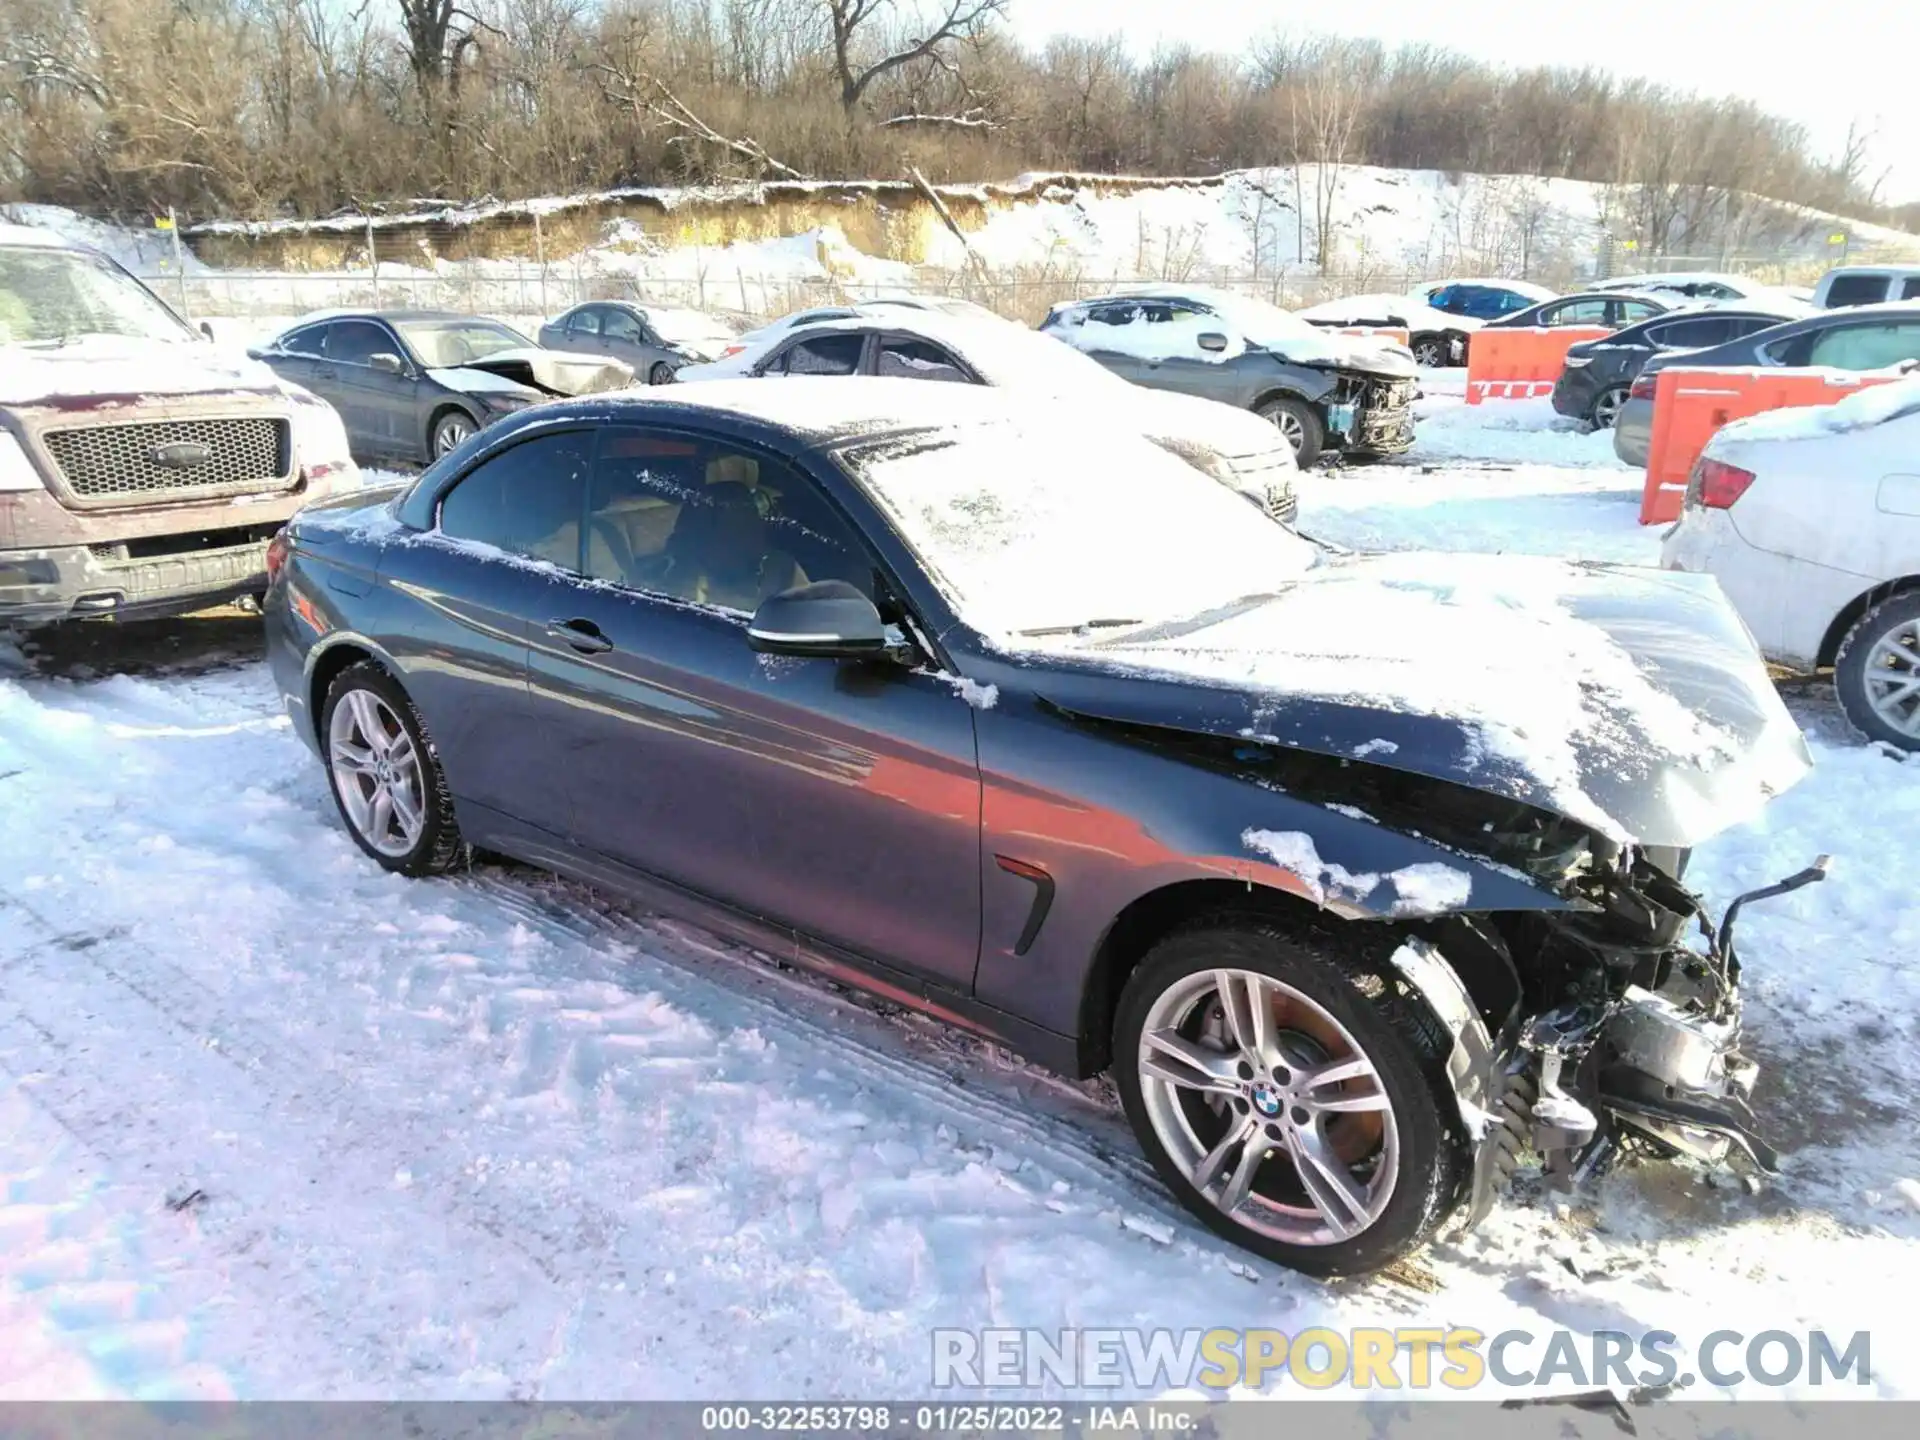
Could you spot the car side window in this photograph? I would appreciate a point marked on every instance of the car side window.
(356, 342)
(1866, 347)
(1632, 312)
(585, 321)
(1506, 302)
(1856, 289)
(1690, 334)
(711, 522)
(310, 341)
(619, 325)
(822, 355)
(1910, 289)
(527, 500)
(1750, 325)
(918, 360)
(1576, 312)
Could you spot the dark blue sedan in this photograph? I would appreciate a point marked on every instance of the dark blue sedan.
(1342, 864)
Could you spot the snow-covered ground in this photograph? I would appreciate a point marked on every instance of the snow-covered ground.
(273, 1123)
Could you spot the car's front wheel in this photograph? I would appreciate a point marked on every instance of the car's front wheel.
(450, 431)
(660, 374)
(1877, 674)
(385, 776)
(1290, 1095)
(1296, 420)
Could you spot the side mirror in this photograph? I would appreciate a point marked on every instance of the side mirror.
(1213, 342)
(387, 364)
(828, 620)
(206, 329)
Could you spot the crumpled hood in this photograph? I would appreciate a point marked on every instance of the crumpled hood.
(535, 372)
(1632, 701)
(1190, 419)
(1347, 352)
(99, 370)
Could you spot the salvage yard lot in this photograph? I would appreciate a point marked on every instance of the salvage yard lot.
(276, 1123)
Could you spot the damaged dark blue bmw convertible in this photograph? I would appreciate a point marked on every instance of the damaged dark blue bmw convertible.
(1364, 875)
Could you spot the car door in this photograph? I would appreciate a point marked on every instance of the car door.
(1103, 334)
(378, 405)
(463, 649)
(625, 338)
(579, 330)
(1179, 363)
(298, 355)
(839, 799)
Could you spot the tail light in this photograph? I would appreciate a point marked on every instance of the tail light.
(1715, 485)
(1642, 388)
(277, 550)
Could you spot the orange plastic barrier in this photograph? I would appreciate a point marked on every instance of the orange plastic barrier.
(1398, 334)
(1517, 364)
(1690, 405)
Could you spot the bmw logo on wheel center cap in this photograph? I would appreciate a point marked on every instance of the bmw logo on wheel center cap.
(1265, 1098)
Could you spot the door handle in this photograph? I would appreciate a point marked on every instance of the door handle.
(582, 635)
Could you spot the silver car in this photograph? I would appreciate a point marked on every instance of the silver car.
(656, 340)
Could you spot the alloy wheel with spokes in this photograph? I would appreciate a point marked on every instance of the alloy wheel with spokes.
(450, 432)
(1274, 1112)
(377, 770)
(385, 775)
(1288, 1099)
(1606, 407)
(1877, 674)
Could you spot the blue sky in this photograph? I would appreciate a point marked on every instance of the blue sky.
(1822, 67)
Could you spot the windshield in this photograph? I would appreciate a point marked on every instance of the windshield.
(1030, 525)
(443, 344)
(688, 325)
(49, 296)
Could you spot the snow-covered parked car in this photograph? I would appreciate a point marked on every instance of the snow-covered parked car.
(1810, 520)
(654, 340)
(142, 469)
(413, 384)
(1325, 392)
(758, 340)
(1239, 450)
(1435, 337)
(1364, 875)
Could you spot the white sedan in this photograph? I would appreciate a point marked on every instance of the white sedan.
(1810, 520)
(1236, 447)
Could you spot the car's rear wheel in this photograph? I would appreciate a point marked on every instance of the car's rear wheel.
(1432, 351)
(1877, 673)
(1290, 1095)
(385, 776)
(450, 431)
(1606, 407)
(1296, 420)
(660, 374)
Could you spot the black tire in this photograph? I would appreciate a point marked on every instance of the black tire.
(1347, 972)
(1432, 351)
(660, 374)
(450, 427)
(439, 847)
(1301, 424)
(1606, 407)
(1854, 669)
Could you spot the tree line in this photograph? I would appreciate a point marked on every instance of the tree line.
(257, 108)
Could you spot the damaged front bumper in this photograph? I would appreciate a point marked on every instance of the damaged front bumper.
(1660, 1066)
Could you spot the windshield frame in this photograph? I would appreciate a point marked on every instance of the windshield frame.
(120, 281)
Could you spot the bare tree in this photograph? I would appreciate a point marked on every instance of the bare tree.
(865, 49)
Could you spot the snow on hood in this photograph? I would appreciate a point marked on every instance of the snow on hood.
(1409, 310)
(1632, 701)
(533, 371)
(1874, 405)
(107, 368)
(1225, 429)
